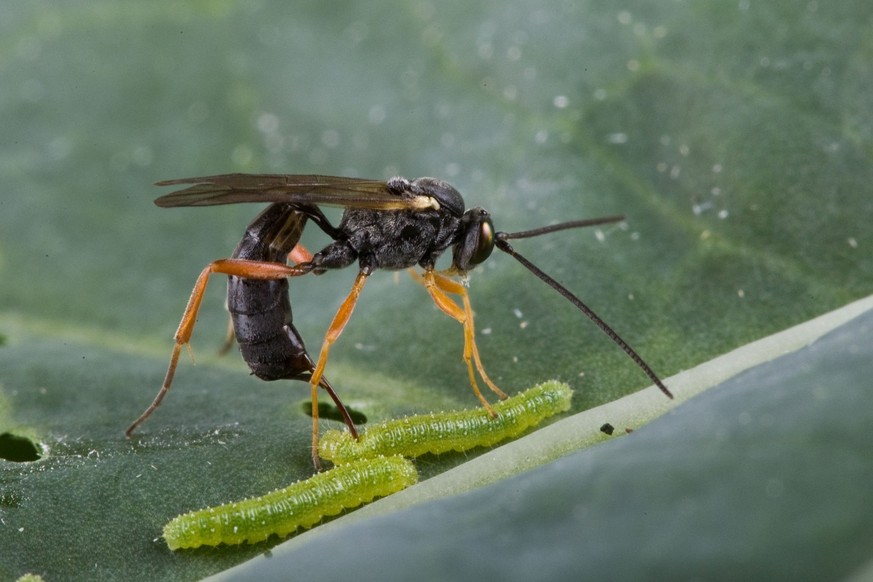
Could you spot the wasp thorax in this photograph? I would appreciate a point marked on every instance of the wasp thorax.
(441, 191)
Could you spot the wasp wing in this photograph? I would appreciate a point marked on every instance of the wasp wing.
(294, 189)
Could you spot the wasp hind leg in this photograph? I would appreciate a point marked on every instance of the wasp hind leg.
(299, 254)
(235, 267)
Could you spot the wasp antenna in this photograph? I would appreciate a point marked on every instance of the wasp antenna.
(500, 243)
(560, 226)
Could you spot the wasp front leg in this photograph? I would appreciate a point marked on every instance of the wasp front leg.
(439, 287)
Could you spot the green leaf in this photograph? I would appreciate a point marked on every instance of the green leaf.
(736, 139)
(758, 478)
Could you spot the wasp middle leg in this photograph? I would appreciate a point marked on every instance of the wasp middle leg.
(343, 314)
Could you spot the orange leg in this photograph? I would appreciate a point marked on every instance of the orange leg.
(300, 254)
(439, 286)
(343, 314)
(236, 267)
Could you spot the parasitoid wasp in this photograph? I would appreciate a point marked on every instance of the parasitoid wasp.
(394, 224)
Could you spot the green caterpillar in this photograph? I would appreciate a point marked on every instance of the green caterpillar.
(446, 431)
(300, 505)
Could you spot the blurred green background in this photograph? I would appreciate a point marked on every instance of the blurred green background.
(735, 137)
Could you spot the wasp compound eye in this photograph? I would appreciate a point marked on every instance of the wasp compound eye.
(477, 240)
(485, 244)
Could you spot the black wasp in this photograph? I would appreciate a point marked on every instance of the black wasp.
(396, 224)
